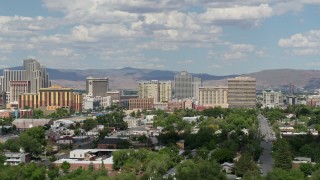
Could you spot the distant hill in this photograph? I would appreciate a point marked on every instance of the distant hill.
(128, 77)
(279, 78)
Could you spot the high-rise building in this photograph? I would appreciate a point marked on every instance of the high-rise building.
(242, 92)
(160, 91)
(186, 86)
(272, 99)
(97, 86)
(165, 91)
(196, 84)
(33, 72)
(17, 88)
(49, 99)
(213, 96)
(36, 74)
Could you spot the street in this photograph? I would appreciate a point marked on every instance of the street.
(266, 157)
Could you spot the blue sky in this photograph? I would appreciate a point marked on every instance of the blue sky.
(200, 36)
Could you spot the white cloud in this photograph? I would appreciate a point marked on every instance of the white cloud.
(112, 29)
(189, 61)
(303, 44)
(247, 14)
(238, 51)
(313, 64)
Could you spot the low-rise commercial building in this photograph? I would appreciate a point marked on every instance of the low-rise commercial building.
(24, 124)
(49, 99)
(141, 103)
(213, 97)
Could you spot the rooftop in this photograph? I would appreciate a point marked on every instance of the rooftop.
(97, 161)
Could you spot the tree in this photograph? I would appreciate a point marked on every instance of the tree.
(283, 156)
(222, 155)
(77, 132)
(62, 112)
(281, 174)
(2, 158)
(315, 175)
(203, 169)
(38, 114)
(245, 165)
(89, 124)
(138, 115)
(12, 145)
(187, 171)
(29, 144)
(119, 158)
(142, 139)
(306, 168)
(133, 114)
(38, 134)
(125, 176)
(1, 147)
(53, 173)
(65, 166)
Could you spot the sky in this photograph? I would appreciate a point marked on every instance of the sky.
(218, 37)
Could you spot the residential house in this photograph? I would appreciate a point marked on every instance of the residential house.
(67, 140)
(49, 134)
(110, 143)
(141, 130)
(297, 161)
(16, 158)
(227, 167)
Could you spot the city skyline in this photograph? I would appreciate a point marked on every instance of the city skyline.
(213, 37)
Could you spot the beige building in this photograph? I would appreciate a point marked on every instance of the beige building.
(160, 91)
(49, 99)
(242, 92)
(213, 96)
(272, 99)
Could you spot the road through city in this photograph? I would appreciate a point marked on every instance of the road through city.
(268, 136)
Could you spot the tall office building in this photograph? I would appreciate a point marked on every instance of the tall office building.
(213, 96)
(97, 86)
(196, 84)
(183, 85)
(272, 99)
(160, 91)
(242, 92)
(33, 72)
(36, 74)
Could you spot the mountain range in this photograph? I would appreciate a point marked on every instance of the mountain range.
(128, 77)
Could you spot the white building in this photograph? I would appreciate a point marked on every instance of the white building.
(104, 101)
(62, 122)
(16, 158)
(132, 122)
(87, 103)
(272, 99)
(79, 153)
